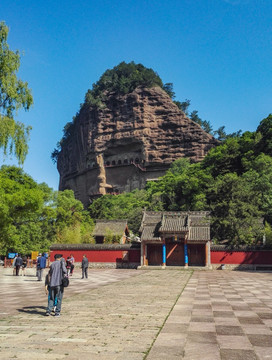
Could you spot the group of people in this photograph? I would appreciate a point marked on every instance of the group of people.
(59, 269)
(54, 280)
(20, 263)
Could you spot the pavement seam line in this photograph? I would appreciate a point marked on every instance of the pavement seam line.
(166, 318)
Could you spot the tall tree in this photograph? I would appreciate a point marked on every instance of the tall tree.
(14, 95)
(265, 129)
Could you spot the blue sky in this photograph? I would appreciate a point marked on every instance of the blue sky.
(217, 53)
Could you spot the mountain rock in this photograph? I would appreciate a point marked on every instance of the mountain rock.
(125, 142)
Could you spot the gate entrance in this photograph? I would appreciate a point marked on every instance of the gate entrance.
(174, 254)
(196, 254)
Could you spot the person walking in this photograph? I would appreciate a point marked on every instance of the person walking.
(72, 262)
(41, 265)
(56, 273)
(48, 292)
(24, 265)
(84, 266)
(18, 264)
(14, 264)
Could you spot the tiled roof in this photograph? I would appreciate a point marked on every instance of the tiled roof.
(199, 233)
(150, 232)
(124, 247)
(115, 227)
(155, 224)
(199, 219)
(174, 222)
(150, 218)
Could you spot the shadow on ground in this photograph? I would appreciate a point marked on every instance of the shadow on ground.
(38, 310)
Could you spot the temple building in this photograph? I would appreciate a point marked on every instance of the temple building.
(116, 230)
(175, 239)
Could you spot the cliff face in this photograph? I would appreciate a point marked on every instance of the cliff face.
(129, 140)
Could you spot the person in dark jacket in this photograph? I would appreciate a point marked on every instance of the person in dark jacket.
(41, 265)
(84, 266)
(56, 273)
(24, 265)
(18, 264)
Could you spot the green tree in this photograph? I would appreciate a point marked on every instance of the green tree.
(221, 134)
(206, 125)
(33, 216)
(168, 88)
(182, 187)
(265, 129)
(184, 105)
(268, 234)
(21, 206)
(235, 210)
(111, 238)
(14, 95)
(124, 78)
(127, 206)
(73, 223)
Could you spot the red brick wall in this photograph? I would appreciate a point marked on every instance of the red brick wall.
(99, 256)
(242, 257)
(217, 257)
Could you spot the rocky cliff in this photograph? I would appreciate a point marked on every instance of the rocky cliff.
(127, 141)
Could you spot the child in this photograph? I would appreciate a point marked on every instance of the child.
(48, 291)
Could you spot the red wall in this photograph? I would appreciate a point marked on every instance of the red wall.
(106, 256)
(217, 257)
(242, 257)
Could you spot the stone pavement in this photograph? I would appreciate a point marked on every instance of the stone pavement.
(220, 315)
(140, 314)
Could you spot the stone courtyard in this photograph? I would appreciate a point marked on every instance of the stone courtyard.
(140, 314)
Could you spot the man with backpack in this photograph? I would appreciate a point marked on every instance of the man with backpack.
(56, 273)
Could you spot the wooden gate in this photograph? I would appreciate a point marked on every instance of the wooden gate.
(154, 254)
(196, 254)
(174, 254)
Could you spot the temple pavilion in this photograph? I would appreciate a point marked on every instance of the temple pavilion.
(175, 238)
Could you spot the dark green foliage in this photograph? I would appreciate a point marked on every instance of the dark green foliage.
(123, 79)
(221, 134)
(33, 216)
(203, 123)
(127, 206)
(235, 208)
(168, 88)
(183, 105)
(235, 154)
(265, 129)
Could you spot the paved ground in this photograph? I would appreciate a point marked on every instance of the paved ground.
(140, 314)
